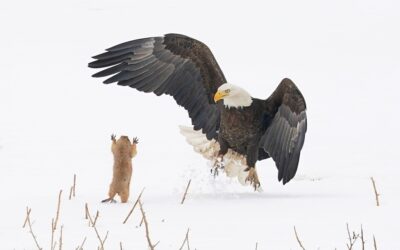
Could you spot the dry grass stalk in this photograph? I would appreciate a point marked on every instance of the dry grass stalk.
(256, 245)
(376, 192)
(74, 186)
(54, 223)
(146, 224)
(120, 245)
(141, 222)
(28, 212)
(134, 205)
(95, 218)
(58, 211)
(72, 189)
(352, 238)
(87, 215)
(186, 240)
(60, 241)
(81, 246)
(52, 244)
(187, 188)
(70, 193)
(98, 237)
(362, 239)
(298, 239)
(30, 228)
(104, 240)
(375, 246)
(86, 211)
(101, 247)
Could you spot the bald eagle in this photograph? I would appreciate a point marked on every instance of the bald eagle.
(228, 119)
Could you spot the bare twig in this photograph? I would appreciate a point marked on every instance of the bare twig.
(60, 241)
(375, 246)
(187, 188)
(352, 238)
(136, 202)
(54, 224)
(88, 216)
(86, 211)
(30, 228)
(104, 240)
(70, 193)
(58, 211)
(98, 237)
(81, 246)
(95, 218)
(298, 239)
(362, 239)
(74, 186)
(52, 245)
(95, 229)
(120, 245)
(72, 189)
(186, 240)
(376, 192)
(256, 245)
(28, 211)
(146, 224)
(141, 222)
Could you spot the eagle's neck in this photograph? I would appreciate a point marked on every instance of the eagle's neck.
(241, 98)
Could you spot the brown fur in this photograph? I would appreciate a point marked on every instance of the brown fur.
(123, 151)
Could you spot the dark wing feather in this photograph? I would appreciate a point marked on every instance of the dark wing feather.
(284, 136)
(175, 65)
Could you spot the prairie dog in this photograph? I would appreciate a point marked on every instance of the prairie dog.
(123, 151)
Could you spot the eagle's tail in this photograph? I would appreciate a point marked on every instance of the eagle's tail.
(234, 163)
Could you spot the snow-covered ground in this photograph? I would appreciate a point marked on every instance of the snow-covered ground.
(56, 121)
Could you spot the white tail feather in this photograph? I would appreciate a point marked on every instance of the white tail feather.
(234, 163)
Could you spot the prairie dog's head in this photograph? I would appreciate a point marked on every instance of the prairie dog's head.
(123, 145)
(124, 139)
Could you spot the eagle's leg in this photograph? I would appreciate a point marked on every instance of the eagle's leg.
(253, 177)
(219, 161)
(251, 159)
(218, 164)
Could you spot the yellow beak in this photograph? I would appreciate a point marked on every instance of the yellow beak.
(219, 95)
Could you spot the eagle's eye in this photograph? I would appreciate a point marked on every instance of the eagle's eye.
(227, 91)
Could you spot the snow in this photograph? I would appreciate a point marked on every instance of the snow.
(56, 121)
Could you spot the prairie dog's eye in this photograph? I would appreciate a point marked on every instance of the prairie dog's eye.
(227, 91)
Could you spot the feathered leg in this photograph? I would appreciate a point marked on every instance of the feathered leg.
(251, 159)
(219, 161)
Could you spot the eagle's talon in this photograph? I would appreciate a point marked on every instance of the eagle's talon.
(218, 164)
(215, 171)
(253, 178)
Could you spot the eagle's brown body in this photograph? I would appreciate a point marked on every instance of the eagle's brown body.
(247, 132)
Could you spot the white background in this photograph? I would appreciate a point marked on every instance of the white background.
(55, 121)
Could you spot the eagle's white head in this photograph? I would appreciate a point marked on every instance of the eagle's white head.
(233, 96)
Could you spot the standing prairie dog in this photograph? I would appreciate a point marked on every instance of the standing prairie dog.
(123, 151)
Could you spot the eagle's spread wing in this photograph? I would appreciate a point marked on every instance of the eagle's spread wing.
(284, 136)
(176, 65)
